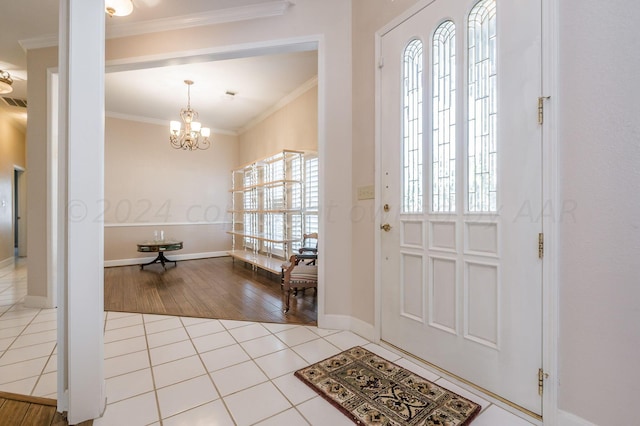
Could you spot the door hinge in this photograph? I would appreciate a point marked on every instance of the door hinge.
(540, 245)
(541, 100)
(541, 376)
(381, 62)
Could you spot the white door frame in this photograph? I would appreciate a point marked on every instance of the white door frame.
(551, 196)
(256, 48)
(553, 208)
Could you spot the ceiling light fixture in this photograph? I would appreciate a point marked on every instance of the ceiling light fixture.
(193, 136)
(5, 83)
(118, 7)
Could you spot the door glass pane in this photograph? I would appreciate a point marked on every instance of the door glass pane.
(443, 148)
(412, 128)
(482, 113)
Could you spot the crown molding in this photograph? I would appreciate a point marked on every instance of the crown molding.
(49, 40)
(222, 16)
(213, 17)
(304, 87)
(159, 122)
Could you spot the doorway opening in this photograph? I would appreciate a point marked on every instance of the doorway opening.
(19, 212)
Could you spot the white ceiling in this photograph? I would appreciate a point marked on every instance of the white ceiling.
(158, 93)
(259, 82)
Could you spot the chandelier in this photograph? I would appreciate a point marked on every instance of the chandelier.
(192, 135)
(5, 82)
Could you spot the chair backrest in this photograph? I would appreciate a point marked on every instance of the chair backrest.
(309, 242)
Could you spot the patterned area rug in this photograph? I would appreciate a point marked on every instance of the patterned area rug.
(371, 390)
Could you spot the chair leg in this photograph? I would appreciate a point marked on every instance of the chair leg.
(287, 296)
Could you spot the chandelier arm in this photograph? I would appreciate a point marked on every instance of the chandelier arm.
(175, 141)
(205, 144)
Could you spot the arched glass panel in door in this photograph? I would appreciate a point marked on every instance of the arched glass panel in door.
(482, 108)
(412, 187)
(443, 140)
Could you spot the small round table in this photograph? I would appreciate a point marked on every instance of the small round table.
(159, 247)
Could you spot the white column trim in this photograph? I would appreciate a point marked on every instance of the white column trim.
(53, 191)
(82, 63)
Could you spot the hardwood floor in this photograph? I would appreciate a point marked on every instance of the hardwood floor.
(22, 410)
(208, 288)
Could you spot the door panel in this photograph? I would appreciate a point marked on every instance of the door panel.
(461, 289)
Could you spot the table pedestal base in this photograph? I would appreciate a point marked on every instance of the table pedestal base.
(160, 259)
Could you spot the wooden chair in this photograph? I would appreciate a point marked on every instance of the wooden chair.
(297, 275)
(309, 250)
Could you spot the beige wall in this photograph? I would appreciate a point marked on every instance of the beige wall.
(12, 153)
(366, 21)
(37, 177)
(151, 186)
(599, 246)
(294, 126)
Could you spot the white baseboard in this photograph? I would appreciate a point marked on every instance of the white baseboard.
(40, 302)
(334, 322)
(7, 262)
(139, 260)
(363, 329)
(345, 322)
(568, 419)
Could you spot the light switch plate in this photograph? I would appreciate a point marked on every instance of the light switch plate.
(366, 192)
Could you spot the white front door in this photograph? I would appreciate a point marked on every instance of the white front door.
(460, 183)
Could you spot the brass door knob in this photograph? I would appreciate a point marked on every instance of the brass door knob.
(386, 227)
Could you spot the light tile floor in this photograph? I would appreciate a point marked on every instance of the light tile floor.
(166, 370)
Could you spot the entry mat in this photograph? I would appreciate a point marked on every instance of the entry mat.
(371, 390)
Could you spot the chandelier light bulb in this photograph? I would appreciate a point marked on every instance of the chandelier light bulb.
(175, 126)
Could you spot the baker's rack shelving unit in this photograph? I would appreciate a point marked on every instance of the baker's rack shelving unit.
(268, 209)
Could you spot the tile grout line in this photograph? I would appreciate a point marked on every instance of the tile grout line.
(269, 379)
(295, 406)
(19, 335)
(207, 372)
(43, 368)
(153, 377)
